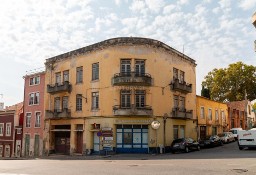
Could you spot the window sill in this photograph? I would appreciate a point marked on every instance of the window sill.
(78, 83)
(95, 110)
(95, 81)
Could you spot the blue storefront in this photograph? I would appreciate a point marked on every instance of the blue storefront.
(132, 139)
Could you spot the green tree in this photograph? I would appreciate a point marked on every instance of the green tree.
(205, 92)
(232, 83)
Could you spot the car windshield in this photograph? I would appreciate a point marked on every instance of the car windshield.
(178, 140)
(234, 131)
(221, 135)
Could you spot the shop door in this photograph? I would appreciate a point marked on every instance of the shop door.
(96, 142)
(202, 132)
(27, 144)
(62, 142)
(1, 150)
(36, 146)
(79, 142)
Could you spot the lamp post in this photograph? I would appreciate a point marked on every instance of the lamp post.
(165, 118)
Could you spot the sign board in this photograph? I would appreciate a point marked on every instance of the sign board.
(108, 138)
(155, 124)
(99, 134)
(106, 129)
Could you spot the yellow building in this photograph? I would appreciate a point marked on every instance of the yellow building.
(212, 117)
(112, 94)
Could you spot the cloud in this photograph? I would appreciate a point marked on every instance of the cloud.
(247, 4)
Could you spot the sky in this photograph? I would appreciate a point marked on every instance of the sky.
(214, 33)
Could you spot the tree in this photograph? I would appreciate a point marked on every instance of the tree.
(232, 83)
(205, 92)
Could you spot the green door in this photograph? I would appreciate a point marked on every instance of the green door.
(27, 143)
(36, 146)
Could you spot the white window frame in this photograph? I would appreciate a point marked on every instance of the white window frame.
(95, 100)
(202, 116)
(217, 116)
(209, 118)
(8, 131)
(1, 129)
(26, 121)
(32, 98)
(34, 82)
(36, 119)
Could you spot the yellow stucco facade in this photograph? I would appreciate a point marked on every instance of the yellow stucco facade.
(212, 117)
(105, 96)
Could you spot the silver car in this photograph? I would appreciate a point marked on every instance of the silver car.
(227, 137)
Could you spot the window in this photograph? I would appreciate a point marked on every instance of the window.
(182, 75)
(125, 67)
(176, 101)
(34, 98)
(202, 112)
(78, 102)
(140, 98)
(182, 103)
(19, 131)
(232, 123)
(249, 109)
(182, 131)
(57, 104)
(1, 129)
(95, 100)
(175, 131)
(38, 120)
(8, 129)
(58, 78)
(175, 73)
(65, 102)
(28, 120)
(65, 75)
(210, 114)
(79, 74)
(34, 80)
(95, 71)
(214, 130)
(216, 115)
(140, 67)
(125, 99)
(223, 116)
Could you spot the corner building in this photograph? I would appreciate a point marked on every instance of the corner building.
(106, 95)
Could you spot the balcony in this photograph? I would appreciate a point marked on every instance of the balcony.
(181, 86)
(132, 78)
(58, 114)
(57, 88)
(209, 122)
(182, 113)
(133, 110)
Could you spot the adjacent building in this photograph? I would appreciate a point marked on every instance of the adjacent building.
(237, 111)
(11, 119)
(212, 117)
(33, 126)
(122, 95)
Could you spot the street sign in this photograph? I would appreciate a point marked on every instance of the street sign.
(99, 134)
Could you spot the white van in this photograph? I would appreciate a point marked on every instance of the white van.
(246, 139)
(234, 131)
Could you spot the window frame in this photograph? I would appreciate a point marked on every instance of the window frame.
(79, 75)
(2, 129)
(95, 100)
(138, 96)
(8, 129)
(126, 96)
(202, 107)
(36, 119)
(79, 102)
(95, 71)
(34, 82)
(65, 75)
(210, 114)
(28, 124)
(34, 98)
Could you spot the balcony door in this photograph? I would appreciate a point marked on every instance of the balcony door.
(126, 67)
(140, 67)
(57, 104)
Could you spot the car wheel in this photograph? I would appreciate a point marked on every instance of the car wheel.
(198, 148)
(228, 141)
(240, 148)
(186, 149)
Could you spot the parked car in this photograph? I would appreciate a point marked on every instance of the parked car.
(234, 131)
(211, 141)
(184, 145)
(227, 137)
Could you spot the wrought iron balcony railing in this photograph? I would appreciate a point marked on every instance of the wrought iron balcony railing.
(58, 113)
(59, 87)
(133, 110)
(177, 85)
(132, 78)
(182, 113)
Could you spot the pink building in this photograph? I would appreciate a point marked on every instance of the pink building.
(33, 124)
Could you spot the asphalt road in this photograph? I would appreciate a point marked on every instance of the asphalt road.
(227, 159)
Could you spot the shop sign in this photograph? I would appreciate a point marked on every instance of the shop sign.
(142, 121)
(106, 129)
(108, 138)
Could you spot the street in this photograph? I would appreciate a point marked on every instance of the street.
(227, 159)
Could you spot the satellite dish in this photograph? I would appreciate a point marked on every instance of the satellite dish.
(155, 124)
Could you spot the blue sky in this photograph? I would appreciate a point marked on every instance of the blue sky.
(214, 33)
